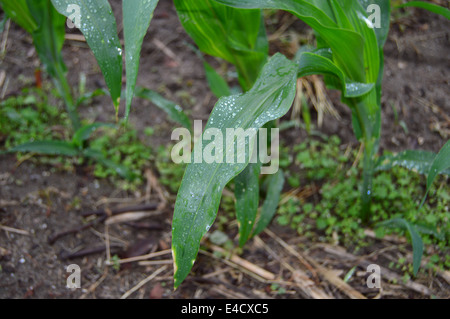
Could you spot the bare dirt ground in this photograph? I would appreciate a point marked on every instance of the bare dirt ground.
(35, 203)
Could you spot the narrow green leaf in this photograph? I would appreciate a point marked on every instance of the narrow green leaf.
(173, 110)
(416, 240)
(349, 274)
(217, 83)
(357, 17)
(83, 133)
(89, 95)
(98, 25)
(121, 170)
(137, 15)
(246, 191)
(48, 39)
(201, 188)
(47, 148)
(18, 11)
(428, 6)
(382, 30)
(269, 208)
(440, 164)
(238, 36)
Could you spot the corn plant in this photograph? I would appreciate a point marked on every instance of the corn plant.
(349, 54)
(45, 20)
(47, 28)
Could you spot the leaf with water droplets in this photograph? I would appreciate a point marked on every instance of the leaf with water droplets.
(236, 35)
(98, 25)
(137, 15)
(202, 185)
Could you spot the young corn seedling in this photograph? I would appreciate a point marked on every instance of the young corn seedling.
(349, 54)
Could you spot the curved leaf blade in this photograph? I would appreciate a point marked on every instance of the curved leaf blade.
(217, 83)
(246, 191)
(313, 63)
(347, 45)
(18, 11)
(237, 36)
(121, 170)
(428, 6)
(201, 188)
(98, 26)
(440, 163)
(137, 15)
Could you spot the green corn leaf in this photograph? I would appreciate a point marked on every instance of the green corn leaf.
(238, 36)
(174, 111)
(47, 148)
(350, 273)
(428, 6)
(269, 208)
(347, 45)
(18, 11)
(83, 133)
(47, 28)
(137, 15)
(98, 25)
(416, 240)
(430, 230)
(217, 83)
(382, 30)
(314, 63)
(89, 95)
(202, 185)
(352, 17)
(440, 164)
(419, 161)
(121, 170)
(246, 191)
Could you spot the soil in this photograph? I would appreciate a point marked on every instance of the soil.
(37, 201)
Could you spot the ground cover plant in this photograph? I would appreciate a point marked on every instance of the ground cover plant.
(349, 53)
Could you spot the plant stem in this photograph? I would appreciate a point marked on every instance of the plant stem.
(369, 134)
(366, 191)
(64, 89)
